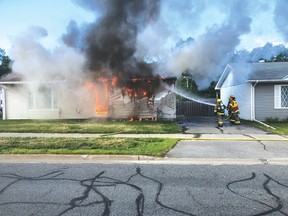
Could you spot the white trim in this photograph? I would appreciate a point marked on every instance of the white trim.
(4, 113)
(269, 81)
(30, 82)
(277, 97)
(223, 77)
(253, 101)
(52, 97)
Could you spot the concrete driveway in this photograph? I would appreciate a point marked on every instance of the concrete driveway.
(231, 142)
(208, 125)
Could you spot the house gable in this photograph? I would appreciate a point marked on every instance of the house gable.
(223, 77)
(234, 74)
(268, 84)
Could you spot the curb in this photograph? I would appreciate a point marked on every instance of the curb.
(137, 159)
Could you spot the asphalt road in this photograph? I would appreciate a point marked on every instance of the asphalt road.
(142, 189)
(234, 170)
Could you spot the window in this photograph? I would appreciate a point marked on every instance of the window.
(281, 96)
(43, 97)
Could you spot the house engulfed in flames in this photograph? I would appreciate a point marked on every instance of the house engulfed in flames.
(139, 99)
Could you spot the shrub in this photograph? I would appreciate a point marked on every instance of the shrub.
(272, 119)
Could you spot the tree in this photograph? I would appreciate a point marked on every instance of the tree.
(282, 57)
(5, 63)
(187, 83)
(210, 91)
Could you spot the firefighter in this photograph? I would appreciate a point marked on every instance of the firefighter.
(219, 110)
(227, 107)
(233, 110)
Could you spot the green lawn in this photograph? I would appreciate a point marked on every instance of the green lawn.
(88, 126)
(103, 145)
(281, 128)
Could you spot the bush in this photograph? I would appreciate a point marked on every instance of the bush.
(272, 119)
(275, 120)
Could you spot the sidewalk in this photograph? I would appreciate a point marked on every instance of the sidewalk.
(256, 148)
(193, 136)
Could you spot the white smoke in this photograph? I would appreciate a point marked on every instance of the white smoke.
(281, 18)
(153, 42)
(34, 62)
(205, 58)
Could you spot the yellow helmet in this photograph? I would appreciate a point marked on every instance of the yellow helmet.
(219, 100)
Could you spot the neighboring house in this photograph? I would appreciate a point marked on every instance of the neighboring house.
(62, 99)
(1, 105)
(261, 89)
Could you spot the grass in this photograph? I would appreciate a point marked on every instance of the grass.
(87, 126)
(281, 128)
(103, 145)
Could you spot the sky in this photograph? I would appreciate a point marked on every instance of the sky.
(19, 15)
(91, 29)
(53, 15)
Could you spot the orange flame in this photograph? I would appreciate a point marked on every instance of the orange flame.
(101, 98)
(114, 81)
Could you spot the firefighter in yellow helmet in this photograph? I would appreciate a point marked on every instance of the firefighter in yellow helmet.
(219, 110)
(233, 110)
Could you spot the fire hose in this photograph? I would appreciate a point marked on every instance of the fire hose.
(229, 117)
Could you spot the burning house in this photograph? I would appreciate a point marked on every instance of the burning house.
(111, 81)
(141, 98)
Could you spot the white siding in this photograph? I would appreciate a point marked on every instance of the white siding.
(72, 105)
(75, 102)
(243, 97)
(16, 102)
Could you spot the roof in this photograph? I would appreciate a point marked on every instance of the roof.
(16, 78)
(254, 72)
(12, 77)
(269, 71)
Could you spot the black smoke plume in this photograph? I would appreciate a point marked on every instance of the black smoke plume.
(109, 43)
